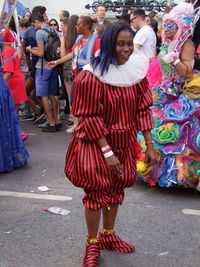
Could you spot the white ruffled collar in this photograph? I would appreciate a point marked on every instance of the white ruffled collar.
(128, 74)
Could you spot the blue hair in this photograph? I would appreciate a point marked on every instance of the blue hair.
(107, 53)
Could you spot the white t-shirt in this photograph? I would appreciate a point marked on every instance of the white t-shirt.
(146, 37)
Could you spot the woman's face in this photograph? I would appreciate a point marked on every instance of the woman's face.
(124, 46)
(53, 25)
(63, 27)
(148, 21)
(156, 17)
(27, 15)
(170, 29)
(80, 26)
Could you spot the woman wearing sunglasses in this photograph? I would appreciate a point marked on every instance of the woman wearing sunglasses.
(53, 24)
(176, 108)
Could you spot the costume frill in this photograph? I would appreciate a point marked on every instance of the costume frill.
(176, 135)
(113, 106)
(13, 154)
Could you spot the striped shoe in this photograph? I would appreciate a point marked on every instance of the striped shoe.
(114, 242)
(92, 254)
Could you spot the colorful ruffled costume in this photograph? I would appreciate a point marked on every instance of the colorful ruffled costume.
(177, 131)
(176, 112)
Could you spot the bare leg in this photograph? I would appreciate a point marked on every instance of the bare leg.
(75, 120)
(68, 88)
(54, 108)
(92, 220)
(58, 103)
(109, 217)
(17, 107)
(47, 110)
(31, 102)
(37, 99)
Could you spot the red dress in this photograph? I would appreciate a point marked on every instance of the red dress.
(16, 81)
(115, 113)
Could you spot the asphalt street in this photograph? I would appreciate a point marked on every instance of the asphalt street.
(151, 218)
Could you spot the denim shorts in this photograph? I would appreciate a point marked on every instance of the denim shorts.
(46, 82)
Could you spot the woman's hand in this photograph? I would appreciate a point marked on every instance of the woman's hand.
(111, 160)
(175, 58)
(51, 64)
(28, 48)
(114, 164)
(150, 155)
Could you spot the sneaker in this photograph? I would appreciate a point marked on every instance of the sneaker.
(69, 121)
(21, 113)
(38, 117)
(49, 129)
(115, 243)
(63, 116)
(27, 117)
(58, 126)
(71, 129)
(92, 254)
(44, 124)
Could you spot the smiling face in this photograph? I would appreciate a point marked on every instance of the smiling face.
(124, 46)
(53, 25)
(170, 29)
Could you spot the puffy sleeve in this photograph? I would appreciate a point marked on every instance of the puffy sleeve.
(88, 107)
(144, 117)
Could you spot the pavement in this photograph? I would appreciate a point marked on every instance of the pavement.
(163, 224)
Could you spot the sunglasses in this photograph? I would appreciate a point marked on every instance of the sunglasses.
(134, 18)
(53, 25)
(171, 26)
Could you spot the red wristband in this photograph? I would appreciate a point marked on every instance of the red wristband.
(104, 148)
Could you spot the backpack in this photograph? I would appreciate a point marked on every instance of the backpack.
(52, 46)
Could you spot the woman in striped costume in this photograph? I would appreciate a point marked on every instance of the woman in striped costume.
(112, 100)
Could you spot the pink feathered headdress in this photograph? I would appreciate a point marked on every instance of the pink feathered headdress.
(182, 15)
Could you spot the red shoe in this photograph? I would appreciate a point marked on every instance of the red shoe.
(115, 243)
(24, 135)
(92, 254)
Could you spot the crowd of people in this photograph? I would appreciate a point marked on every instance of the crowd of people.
(131, 90)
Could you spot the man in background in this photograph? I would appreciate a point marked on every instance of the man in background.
(145, 38)
(101, 14)
(64, 15)
(46, 80)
